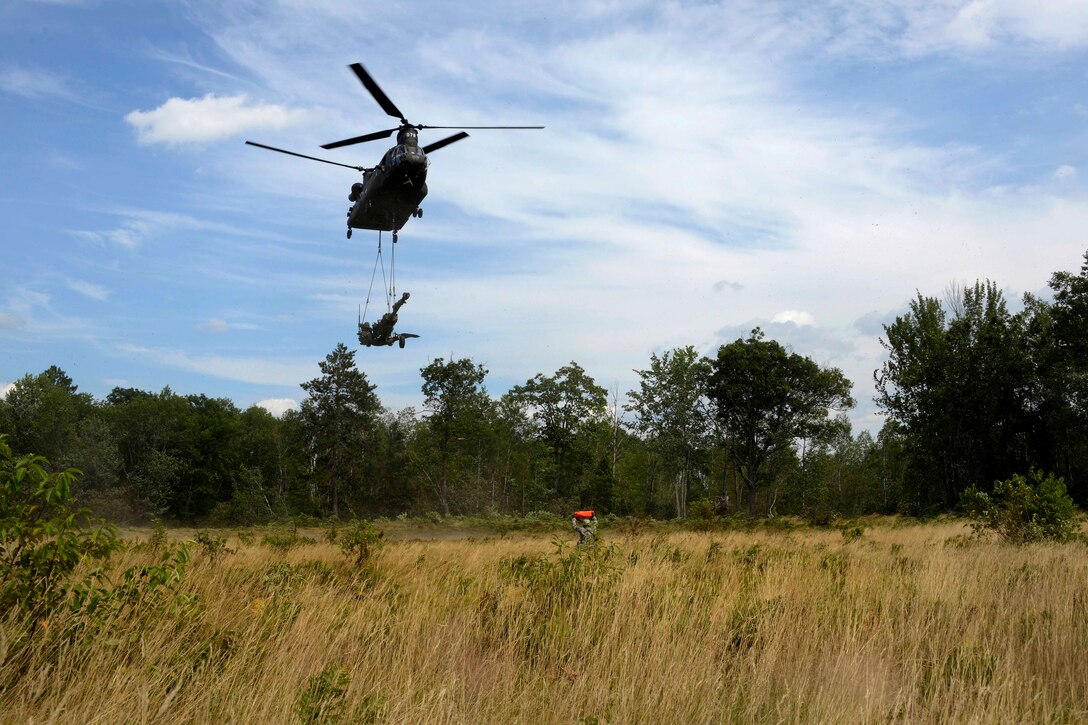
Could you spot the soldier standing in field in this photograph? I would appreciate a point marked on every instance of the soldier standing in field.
(585, 523)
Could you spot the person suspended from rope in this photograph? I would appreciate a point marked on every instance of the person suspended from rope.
(585, 523)
(381, 332)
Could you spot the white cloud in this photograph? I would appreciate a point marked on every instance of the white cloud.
(263, 371)
(218, 325)
(89, 289)
(1065, 171)
(1062, 23)
(9, 321)
(724, 284)
(214, 324)
(278, 406)
(138, 226)
(4, 388)
(795, 317)
(198, 120)
(35, 83)
(130, 234)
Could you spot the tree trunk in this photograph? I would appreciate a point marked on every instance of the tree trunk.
(443, 486)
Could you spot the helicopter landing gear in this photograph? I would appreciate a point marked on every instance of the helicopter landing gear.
(394, 236)
(418, 213)
(349, 232)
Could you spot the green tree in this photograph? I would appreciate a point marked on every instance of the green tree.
(960, 390)
(520, 456)
(1062, 355)
(212, 441)
(388, 487)
(458, 405)
(43, 411)
(765, 398)
(267, 447)
(672, 413)
(564, 407)
(339, 413)
(151, 436)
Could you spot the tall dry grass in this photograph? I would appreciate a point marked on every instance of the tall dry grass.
(911, 624)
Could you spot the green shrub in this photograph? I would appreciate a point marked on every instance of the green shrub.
(1023, 509)
(851, 534)
(362, 541)
(280, 542)
(323, 699)
(702, 509)
(212, 546)
(43, 536)
(157, 540)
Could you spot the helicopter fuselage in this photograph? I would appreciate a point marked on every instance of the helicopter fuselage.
(390, 193)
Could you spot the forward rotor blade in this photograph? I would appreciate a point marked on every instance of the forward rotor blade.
(484, 127)
(444, 142)
(379, 95)
(360, 139)
(304, 156)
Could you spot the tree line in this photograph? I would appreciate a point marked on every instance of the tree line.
(972, 393)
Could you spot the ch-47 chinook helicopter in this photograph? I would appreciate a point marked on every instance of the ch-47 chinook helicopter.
(390, 193)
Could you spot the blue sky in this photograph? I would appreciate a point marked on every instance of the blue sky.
(706, 168)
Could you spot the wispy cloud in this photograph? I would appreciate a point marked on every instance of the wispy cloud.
(130, 234)
(218, 326)
(184, 58)
(211, 118)
(89, 289)
(36, 83)
(9, 321)
(1063, 23)
(137, 226)
(35, 315)
(1065, 171)
(261, 371)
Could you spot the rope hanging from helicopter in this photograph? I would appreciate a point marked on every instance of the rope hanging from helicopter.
(390, 289)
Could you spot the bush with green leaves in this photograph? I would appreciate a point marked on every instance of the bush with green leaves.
(212, 546)
(323, 699)
(1022, 509)
(361, 542)
(44, 538)
(43, 535)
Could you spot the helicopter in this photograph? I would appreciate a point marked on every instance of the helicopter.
(391, 192)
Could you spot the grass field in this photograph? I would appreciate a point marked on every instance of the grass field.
(908, 623)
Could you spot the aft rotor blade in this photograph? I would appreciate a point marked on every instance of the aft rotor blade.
(360, 139)
(444, 142)
(379, 95)
(304, 156)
